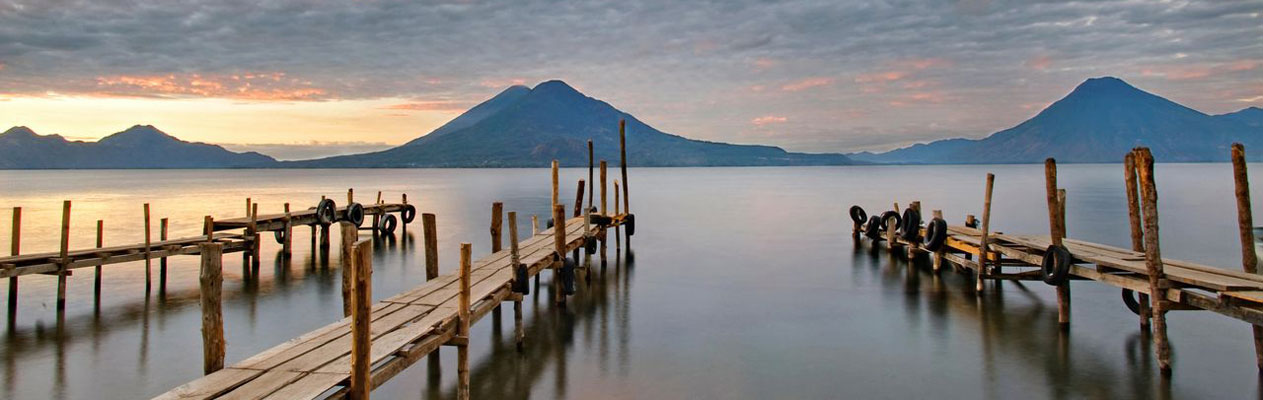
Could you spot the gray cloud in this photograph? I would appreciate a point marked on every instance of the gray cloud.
(702, 69)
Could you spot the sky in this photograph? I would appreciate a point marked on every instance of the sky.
(306, 78)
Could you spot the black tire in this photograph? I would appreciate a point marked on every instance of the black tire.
(1129, 299)
(521, 280)
(973, 224)
(589, 244)
(1056, 265)
(550, 223)
(887, 216)
(354, 214)
(568, 277)
(279, 235)
(935, 234)
(387, 224)
(873, 228)
(858, 215)
(630, 221)
(326, 211)
(408, 213)
(910, 230)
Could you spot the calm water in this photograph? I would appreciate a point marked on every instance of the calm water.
(745, 284)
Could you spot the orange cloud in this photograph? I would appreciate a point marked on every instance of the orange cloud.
(768, 119)
(887, 76)
(429, 105)
(1040, 62)
(501, 83)
(1199, 71)
(932, 97)
(807, 83)
(259, 87)
(924, 63)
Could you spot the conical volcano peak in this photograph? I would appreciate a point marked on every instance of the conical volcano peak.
(19, 131)
(1106, 85)
(555, 88)
(139, 134)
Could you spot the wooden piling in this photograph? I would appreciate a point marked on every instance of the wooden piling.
(350, 236)
(534, 225)
(591, 189)
(556, 184)
(1158, 283)
(362, 301)
(148, 261)
(519, 333)
(100, 242)
(287, 246)
(622, 148)
(255, 243)
(938, 255)
(462, 349)
(1137, 233)
(212, 282)
(431, 246)
(986, 226)
(15, 244)
(497, 215)
(62, 271)
(578, 199)
(162, 262)
(603, 207)
(1245, 224)
(559, 243)
(1055, 220)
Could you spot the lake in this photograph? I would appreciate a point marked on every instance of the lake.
(745, 283)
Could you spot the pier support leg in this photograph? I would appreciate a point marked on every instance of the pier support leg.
(211, 277)
(287, 246)
(535, 231)
(350, 234)
(514, 260)
(1158, 283)
(462, 349)
(559, 242)
(622, 149)
(148, 261)
(497, 218)
(430, 229)
(15, 246)
(1245, 221)
(361, 303)
(162, 262)
(324, 237)
(1137, 232)
(1056, 226)
(984, 242)
(938, 255)
(603, 211)
(96, 280)
(65, 255)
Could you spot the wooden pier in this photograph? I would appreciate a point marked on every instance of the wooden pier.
(1140, 272)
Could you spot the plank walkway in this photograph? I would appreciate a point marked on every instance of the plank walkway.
(405, 327)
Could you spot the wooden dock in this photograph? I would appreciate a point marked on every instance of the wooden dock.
(1151, 284)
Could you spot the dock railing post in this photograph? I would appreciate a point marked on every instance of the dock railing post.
(938, 254)
(287, 246)
(1245, 223)
(1056, 234)
(162, 262)
(100, 242)
(255, 243)
(15, 247)
(983, 252)
(519, 333)
(556, 185)
(604, 213)
(350, 236)
(622, 149)
(212, 282)
(64, 260)
(431, 246)
(462, 349)
(1137, 232)
(497, 219)
(1158, 283)
(361, 318)
(148, 262)
(559, 243)
(617, 239)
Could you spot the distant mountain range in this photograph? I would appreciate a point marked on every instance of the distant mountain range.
(530, 127)
(1099, 121)
(137, 147)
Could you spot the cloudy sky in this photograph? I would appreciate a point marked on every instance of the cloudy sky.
(298, 78)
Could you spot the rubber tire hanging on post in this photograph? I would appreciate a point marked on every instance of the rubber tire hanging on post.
(568, 277)
(521, 280)
(326, 211)
(858, 215)
(549, 224)
(279, 234)
(910, 229)
(409, 212)
(387, 224)
(1129, 299)
(873, 228)
(1056, 265)
(354, 214)
(589, 244)
(888, 215)
(935, 234)
(630, 221)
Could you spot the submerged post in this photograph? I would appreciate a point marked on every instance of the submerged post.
(162, 262)
(350, 236)
(591, 189)
(64, 261)
(148, 262)
(1055, 220)
(603, 209)
(1158, 283)
(287, 246)
(431, 246)
(100, 242)
(361, 318)
(559, 244)
(938, 254)
(622, 148)
(497, 215)
(212, 282)
(1245, 223)
(1137, 233)
(15, 244)
(983, 252)
(462, 349)
(518, 332)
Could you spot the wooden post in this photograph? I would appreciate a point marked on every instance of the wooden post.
(403, 224)
(591, 189)
(519, 334)
(890, 232)
(578, 199)
(212, 282)
(63, 262)
(986, 225)
(462, 350)
(1245, 223)
(350, 234)
(100, 242)
(148, 262)
(938, 255)
(617, 241)
(162, 262)
(559, 244)
(556, 182)
(1137, 233)
(622, 148)
(255, 243)
(15, 245)
(361, 318)
(534, 225)
(1158, 283)
(497, 215)
(287, 247)
(603, 208)
(431, 246)
(1055, 217)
